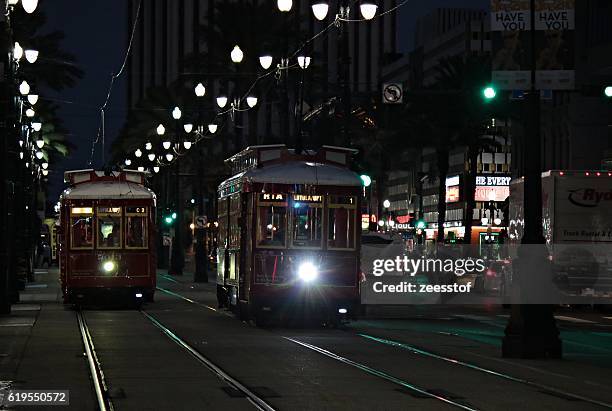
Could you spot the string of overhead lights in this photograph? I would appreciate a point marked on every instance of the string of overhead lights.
(320, 8)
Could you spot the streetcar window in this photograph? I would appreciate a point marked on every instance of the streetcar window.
(81, 229)
(109, 227)
(341, 228)
(136, 232)
(307, 220)
(271, 225)
(136, 227)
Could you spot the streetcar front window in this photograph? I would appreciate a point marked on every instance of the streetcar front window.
(307, 216)
(109, 227)
(341, 222)
(272, 222)
(81, 227)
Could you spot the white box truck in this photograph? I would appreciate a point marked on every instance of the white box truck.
(577, 226)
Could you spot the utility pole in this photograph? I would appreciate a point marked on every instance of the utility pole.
(531, 331)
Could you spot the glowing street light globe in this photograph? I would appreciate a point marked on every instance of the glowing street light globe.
(176, 113)
(386, 204)
(221, 101)
(284, 5)
(236, 55)
(161, 130)
(265, 61)
(368, 9)
(320, 9)
(200, 90)
(608, 91)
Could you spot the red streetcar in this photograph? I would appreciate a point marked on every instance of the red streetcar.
(107, 236)
(289, 237)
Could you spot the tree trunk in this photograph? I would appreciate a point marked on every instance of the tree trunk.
(469, 185)
(442, 154)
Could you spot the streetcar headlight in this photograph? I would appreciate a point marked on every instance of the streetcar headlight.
(109, 266)
(308, 272)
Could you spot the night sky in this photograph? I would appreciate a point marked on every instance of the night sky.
(96, 33)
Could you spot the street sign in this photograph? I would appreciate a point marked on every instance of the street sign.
(392, 93)
(200, 221)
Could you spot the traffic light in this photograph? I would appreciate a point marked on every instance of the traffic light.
(366, 180)
(169, 217)
(489, 93)
(421, 224)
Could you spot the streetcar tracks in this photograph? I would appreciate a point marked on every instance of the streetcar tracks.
(460, 363)
(381, 374)
(95, 369)
(253, 398)
(189, 300)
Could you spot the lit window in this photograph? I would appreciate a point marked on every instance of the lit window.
(307, 219)
(109, 227)
(272, 220)
(81, 227)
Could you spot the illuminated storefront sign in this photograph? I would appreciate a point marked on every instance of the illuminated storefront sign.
(452, 194)
(492, 187)
(484, 193)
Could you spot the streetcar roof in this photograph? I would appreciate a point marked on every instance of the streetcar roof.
(108, 190)
(301, 172)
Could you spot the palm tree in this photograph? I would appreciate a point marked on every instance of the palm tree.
(55, 68)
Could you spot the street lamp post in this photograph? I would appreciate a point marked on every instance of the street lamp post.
(201, 259)
(177, 263)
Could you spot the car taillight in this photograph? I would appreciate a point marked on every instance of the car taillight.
(491, 273)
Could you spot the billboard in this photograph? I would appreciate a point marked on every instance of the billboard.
(511, 45)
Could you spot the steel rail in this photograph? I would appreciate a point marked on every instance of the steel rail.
(97, 375)
(380, 374)
(257, 401)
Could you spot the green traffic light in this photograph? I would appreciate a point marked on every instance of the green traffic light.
(168, 220)
(608, 91)
(365, 180)
(489, 93)
(174, 216)
(421, 224)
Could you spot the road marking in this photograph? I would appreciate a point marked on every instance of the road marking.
(573, 319)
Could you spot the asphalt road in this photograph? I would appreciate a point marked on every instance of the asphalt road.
(428, 357)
